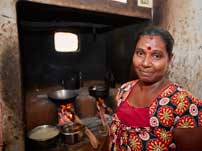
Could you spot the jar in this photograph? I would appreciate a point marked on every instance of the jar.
(85, 106)
(39, 111)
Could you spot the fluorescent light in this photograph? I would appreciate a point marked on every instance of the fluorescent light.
(66, 42)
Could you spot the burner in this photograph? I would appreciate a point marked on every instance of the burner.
(66, 114)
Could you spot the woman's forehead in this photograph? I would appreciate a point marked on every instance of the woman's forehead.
(151, 41)
(151, 37)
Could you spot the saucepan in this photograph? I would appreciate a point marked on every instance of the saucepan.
(72, 133)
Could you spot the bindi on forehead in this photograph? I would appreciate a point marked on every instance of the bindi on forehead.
(150, 38)
(149, 48)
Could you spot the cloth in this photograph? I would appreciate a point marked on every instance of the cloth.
(133, 116)
(175, 107)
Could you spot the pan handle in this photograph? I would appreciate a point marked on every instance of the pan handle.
(93, 140)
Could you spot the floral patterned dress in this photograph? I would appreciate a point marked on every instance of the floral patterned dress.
(174, 107)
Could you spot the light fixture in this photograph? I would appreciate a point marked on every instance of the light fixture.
(66, 42)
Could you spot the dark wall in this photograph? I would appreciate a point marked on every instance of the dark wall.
(99, 53)
(42, 64)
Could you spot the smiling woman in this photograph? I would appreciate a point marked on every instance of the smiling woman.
(150, 107)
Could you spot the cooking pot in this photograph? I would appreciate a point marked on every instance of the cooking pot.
(44, 136)
(99, 91)
(72, 133)
(63, 96)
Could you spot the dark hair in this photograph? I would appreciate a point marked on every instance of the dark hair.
(158, 31)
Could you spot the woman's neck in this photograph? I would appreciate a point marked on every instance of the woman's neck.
(145, 86)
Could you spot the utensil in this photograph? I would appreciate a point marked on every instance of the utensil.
(43, 136)
(101, 112)
(63, 96)
(98, 91)
(93, 140)
(72, 133)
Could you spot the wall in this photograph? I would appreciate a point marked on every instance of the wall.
(109, 6)
(10, 85)
(183, 19)
(43, 65)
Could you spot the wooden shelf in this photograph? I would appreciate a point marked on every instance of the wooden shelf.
(129, 9)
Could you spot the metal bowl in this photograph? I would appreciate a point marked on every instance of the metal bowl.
(72, 134)
(63, 96)
(43, 136)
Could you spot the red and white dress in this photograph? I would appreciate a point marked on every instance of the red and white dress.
(150, 128)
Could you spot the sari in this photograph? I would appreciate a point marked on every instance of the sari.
(174, 107)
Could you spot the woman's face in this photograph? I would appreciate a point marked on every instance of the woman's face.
(151, 59)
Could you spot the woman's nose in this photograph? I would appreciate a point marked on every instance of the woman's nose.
(147, 61)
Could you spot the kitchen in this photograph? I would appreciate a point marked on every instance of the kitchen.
(105, 35)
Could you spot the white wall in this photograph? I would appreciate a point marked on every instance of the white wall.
(183, 19)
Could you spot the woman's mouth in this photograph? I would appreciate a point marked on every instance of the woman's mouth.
(145, 73)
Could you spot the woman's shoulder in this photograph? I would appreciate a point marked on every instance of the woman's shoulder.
(180, 93)
(124, 91)
(128, 84)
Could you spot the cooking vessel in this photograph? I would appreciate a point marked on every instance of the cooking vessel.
(43, 136)
(99, 91)
(73, 133)
(63, 96)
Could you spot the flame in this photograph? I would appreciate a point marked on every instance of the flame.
(65, 114)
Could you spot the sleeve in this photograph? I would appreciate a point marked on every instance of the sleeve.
(187, 111)
(124, 91)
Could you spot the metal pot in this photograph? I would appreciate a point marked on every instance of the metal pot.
(43, 136)
(63, 96)
(72, 134)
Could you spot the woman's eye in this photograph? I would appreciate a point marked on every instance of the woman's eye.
(156, 56)
(139, 53)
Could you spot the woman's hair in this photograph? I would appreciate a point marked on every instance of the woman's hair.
(158, 31)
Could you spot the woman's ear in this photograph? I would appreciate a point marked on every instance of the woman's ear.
(171, 58)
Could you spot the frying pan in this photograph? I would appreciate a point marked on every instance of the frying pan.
(43, 136)
(98, 91)
(62, 96)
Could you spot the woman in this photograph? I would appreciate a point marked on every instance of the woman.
(150, 107)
